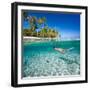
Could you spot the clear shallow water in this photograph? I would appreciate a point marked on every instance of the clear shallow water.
(41, 59)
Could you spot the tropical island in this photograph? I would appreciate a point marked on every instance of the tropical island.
(38, 29)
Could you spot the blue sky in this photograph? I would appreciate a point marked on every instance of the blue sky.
(68, 24)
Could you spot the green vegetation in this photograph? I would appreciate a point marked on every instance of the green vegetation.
(38, 27)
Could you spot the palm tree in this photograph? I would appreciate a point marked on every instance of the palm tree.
(26, 32)
(25, 15)
(33, 24)
(49, 33)
(41, 20)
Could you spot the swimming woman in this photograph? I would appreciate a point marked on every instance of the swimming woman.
(61, 50)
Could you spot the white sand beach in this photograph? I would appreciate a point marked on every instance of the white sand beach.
(27, 38)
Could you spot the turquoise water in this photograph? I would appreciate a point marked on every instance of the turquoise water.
(41, 59)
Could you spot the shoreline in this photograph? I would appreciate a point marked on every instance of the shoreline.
(29, 38)
(38, 39)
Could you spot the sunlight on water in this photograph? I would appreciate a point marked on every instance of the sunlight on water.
(41, 59)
